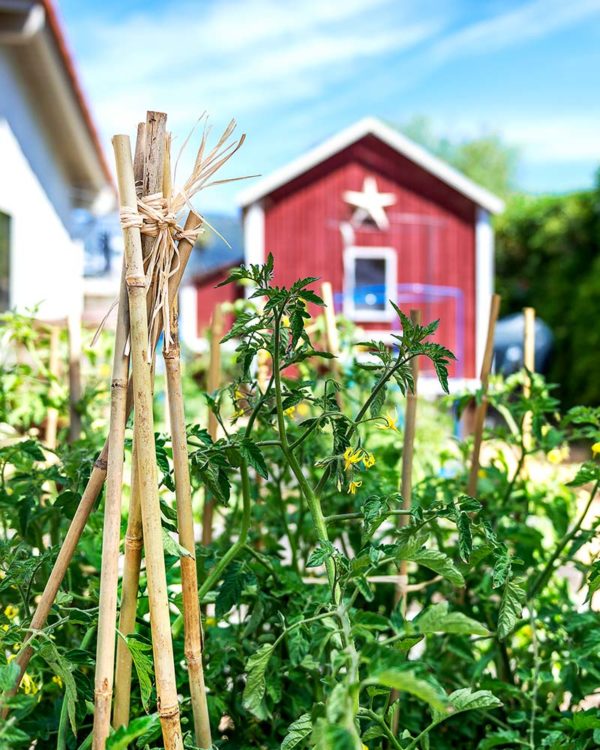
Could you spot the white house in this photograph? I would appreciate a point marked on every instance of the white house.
(51, 164)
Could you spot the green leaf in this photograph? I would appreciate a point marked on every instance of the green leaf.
(511, 607)
(232, 587)
(436, 561)
(588, 472)
(437, 619)
(500, 739)
(172, 547)
(408, 682)
(124, 736)
(318, 556)
(253, 455)
(62, 668)
(255, 681)
(139, 648)
(465, 539)
(297, 731)
(467, 699)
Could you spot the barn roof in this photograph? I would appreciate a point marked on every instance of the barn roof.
(395, 140)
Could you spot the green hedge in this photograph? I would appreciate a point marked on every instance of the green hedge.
(548, 256)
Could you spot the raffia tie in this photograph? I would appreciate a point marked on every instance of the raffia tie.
(154, 218)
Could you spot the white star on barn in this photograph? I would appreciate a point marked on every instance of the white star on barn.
(370, 204)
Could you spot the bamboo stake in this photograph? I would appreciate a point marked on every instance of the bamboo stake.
(214, 381)
(53, 368)
(529, 363)
(480, 413)
(166, 686)
(332, 335)
(74, 331)
(89, 496)
(185, 520)
(109, 572)
(134, 535)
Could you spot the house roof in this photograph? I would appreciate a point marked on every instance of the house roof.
(40, 51)
(395, 140)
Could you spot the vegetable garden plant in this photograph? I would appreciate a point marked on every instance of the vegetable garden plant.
(498, 643)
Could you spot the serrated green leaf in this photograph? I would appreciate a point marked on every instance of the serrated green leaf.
(255, 681)
(297, 731)
(122, 737)
(437, 619)
(408, 682)
(434, 560)
(253, 455)
(172, 546)
(511, 607)
(144, 667)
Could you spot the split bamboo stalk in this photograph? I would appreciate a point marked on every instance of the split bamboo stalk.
(481, 411)
(74, 331)
(90, 494)
(53, 368)
(192, 624)
(529, 363)
(166, 686)
(214, 381)
(109, 572)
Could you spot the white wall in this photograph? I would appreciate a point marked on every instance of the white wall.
(46, 263)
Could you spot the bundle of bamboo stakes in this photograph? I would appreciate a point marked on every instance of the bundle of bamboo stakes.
(157, 249)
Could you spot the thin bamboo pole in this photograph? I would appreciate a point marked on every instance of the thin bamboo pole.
(89, 496)
(529, 363)
(74, 331)
(481, 411)
(332, 335)
(109, 572)
(192, 624)
(166, 686)
(134, 538)
(214, 381)
(53, 368)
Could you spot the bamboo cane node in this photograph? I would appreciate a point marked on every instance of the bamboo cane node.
(101, 463)
(117, 383)
(173, 352)
(168, 712)
(134, 542)
(136, 281)
(193, 658)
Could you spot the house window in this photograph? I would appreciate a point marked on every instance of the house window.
(4, 262)
(370, 283)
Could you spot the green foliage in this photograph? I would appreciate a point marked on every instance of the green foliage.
(306, 645)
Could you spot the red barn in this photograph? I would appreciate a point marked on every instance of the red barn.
(381, 219)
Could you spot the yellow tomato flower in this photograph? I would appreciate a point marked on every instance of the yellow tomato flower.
(11, 612)
(368, 460)
(28, 685)
(596, 449)
(237, 394)
(302, 409)
(555, 456)
(352, 457)
(390, 422)
(353, 486)
(285, 321)
(211, 621)
(237, 414)
(290, 411)
(57, 680)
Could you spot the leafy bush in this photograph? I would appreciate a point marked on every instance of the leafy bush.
(307, 642)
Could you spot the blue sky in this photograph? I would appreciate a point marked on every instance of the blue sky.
(293, 73)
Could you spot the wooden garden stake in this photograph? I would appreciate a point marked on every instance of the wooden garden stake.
(481, 411)
(74, 331)
(168, 706)
(214, 381)
(333, 339)
(109, 572)
(90, 494)
(529, 363)
(53, 368)
(185, 521)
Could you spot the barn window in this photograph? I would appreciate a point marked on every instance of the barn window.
(370, 283)
(4, 261)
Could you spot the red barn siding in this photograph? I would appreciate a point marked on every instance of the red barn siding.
(208, 297)
(431, 229)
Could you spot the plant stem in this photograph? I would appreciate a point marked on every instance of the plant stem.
(368, 714)
(542, 579)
